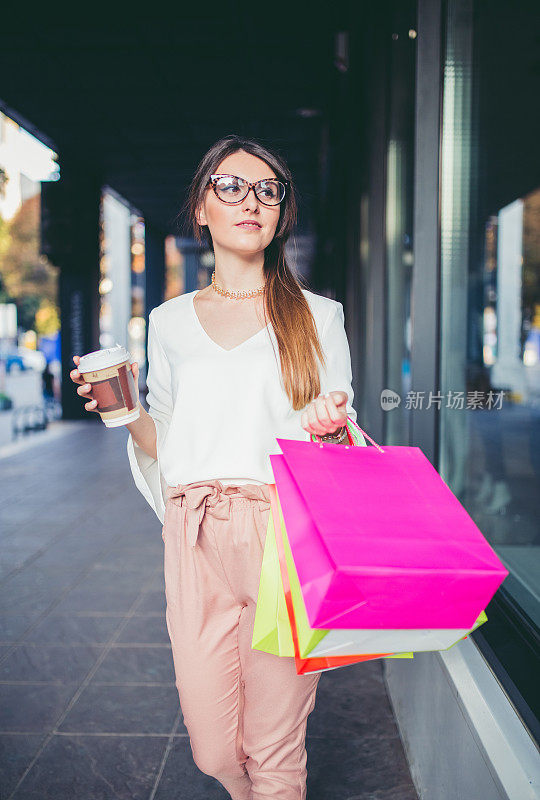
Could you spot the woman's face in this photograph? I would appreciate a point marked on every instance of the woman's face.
(224, 220)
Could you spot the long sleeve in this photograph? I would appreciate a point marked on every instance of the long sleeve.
(147, 470)
(337, 375)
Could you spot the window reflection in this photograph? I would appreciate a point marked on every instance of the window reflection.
(490, 290)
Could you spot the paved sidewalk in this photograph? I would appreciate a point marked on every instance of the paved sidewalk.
(88, 706)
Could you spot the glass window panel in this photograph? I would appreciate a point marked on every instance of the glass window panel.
(399, 222)
(490, 281)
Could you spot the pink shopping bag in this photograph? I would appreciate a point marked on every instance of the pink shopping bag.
(379, 540)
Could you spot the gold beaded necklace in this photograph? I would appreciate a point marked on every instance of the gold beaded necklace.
(235, 295)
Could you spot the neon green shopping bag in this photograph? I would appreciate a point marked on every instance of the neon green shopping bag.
(309, 638)
(317, 642)
(272, 630)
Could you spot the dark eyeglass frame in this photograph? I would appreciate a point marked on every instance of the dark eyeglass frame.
(212, 181)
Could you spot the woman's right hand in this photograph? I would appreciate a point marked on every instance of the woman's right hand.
(85, 389)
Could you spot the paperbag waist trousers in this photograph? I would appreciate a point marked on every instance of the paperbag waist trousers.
(245, 710)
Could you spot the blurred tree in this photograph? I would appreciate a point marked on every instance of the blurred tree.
(4, 296)
(28, 277)
(47, 319)
(27, 306)
(5, 240)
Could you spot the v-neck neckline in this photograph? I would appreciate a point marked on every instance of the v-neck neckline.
(223, 349)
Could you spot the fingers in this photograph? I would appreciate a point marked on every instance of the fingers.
(310, 421)
(83, 389)
(340, 398)
(75, 375)
(318, 417)
(323, 415)
(335, 414)
(92, 404)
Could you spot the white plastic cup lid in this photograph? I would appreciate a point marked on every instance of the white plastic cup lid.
(100, 359)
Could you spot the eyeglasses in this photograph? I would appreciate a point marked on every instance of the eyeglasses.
(232, 189)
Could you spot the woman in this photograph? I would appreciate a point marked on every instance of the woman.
(218, 398)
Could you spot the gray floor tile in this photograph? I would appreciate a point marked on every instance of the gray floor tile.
(104, 580)
(13, 626)
(26, 599)
(357, 769)
(92, 599)
(145, 630)
(13, 514)
(14, 555)
(72, 629)
(49, 663)
(74, 557)
(158, 581)
(16, 753)
(183, 780)
(129, 560)
(136, 664)
(94, 768)
(152, 601)
(353, 701)
(123, 709)
(32, 708)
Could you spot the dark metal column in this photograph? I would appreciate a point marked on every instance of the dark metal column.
(70, 237)
(373, 220)
(425, 311)
(154, 267)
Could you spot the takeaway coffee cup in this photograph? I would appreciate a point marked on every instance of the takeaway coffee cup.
(113, 385)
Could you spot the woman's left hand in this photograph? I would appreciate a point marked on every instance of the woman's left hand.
(325, 414)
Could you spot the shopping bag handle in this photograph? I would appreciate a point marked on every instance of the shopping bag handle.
(350, 423)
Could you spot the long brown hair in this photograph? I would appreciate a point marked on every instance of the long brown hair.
(288, 309)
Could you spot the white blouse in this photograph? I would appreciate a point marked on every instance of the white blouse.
(219, 412)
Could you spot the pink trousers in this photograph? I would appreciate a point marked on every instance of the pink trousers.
(245, 711)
